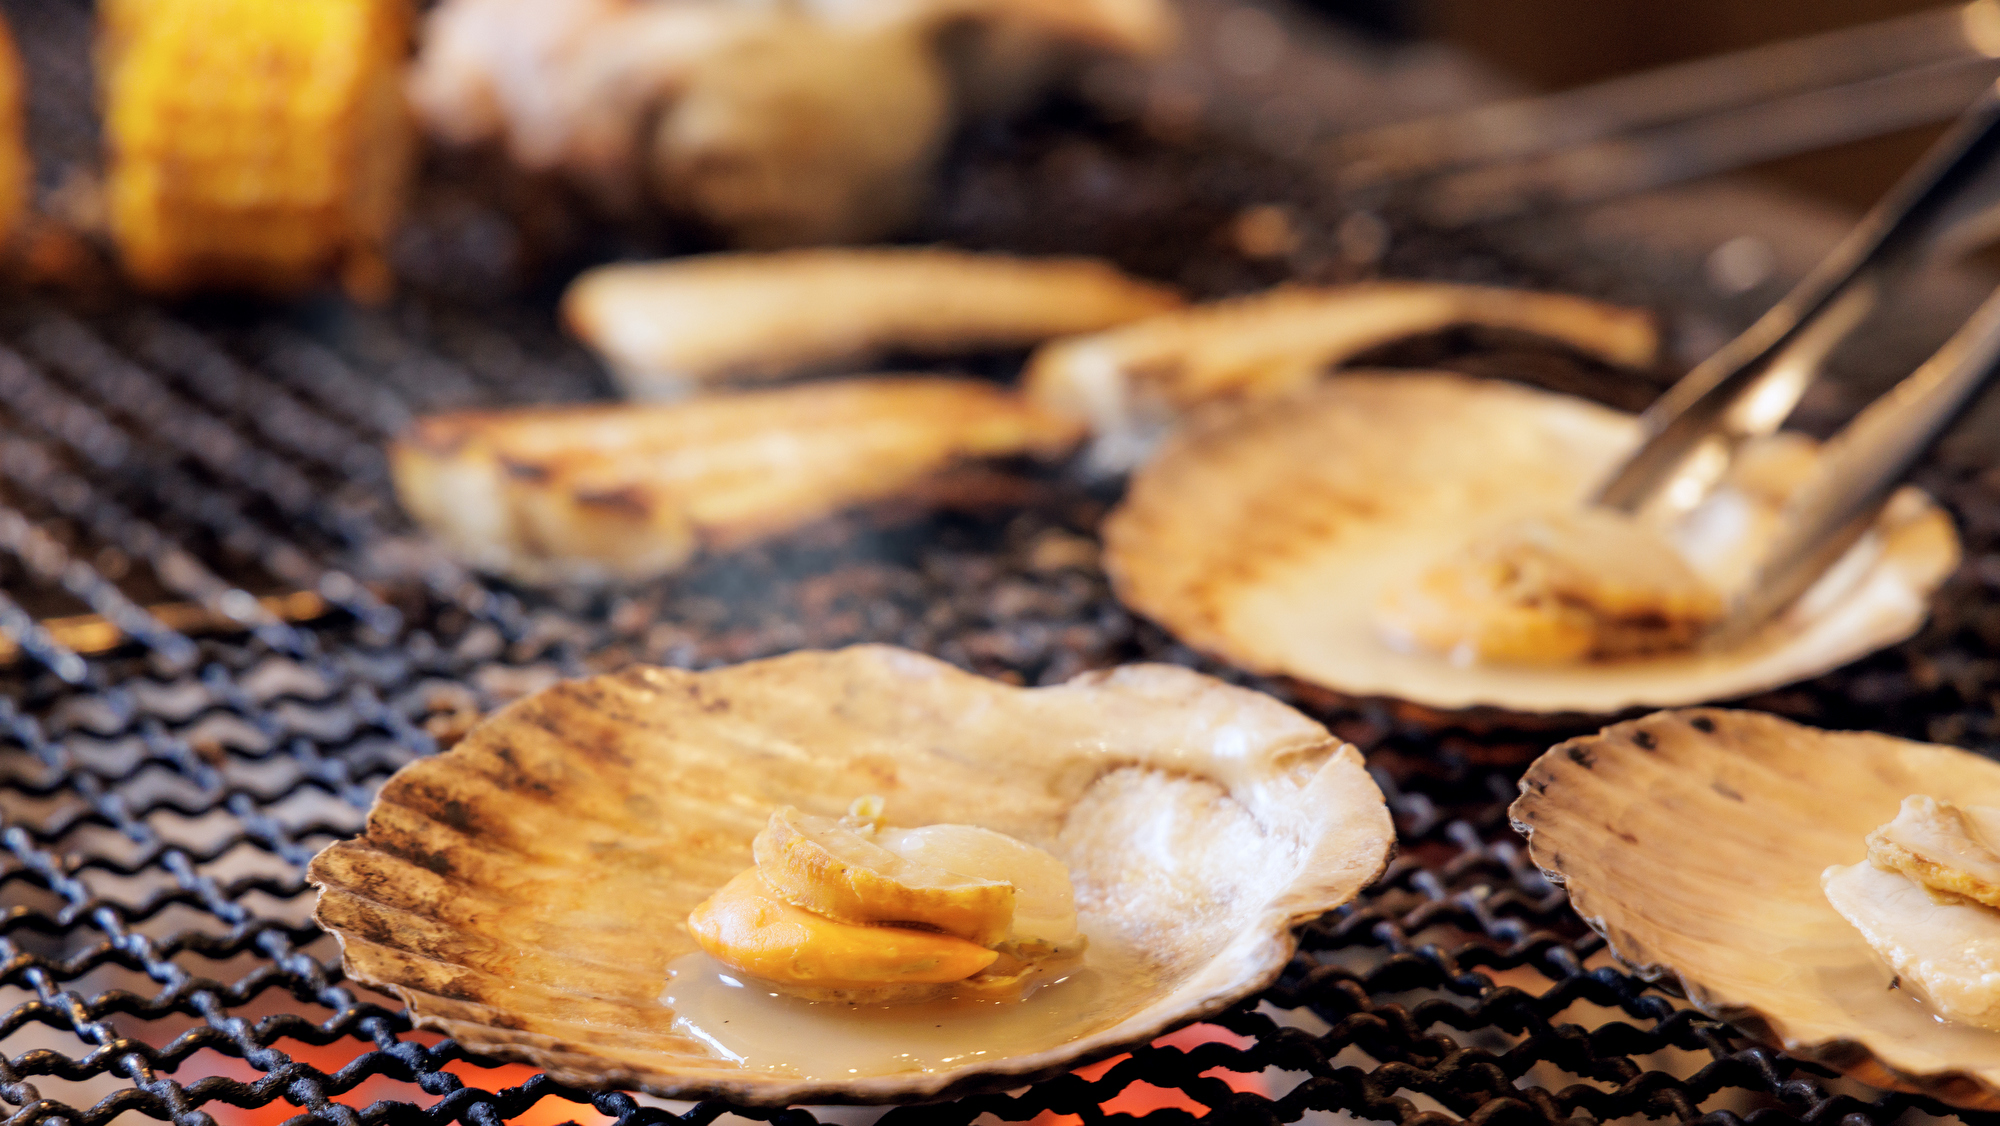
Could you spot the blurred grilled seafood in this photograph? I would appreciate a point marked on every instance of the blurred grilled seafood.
(664, 326)
(1580, 584)
(625, 492)
(1131, 382)
(254, 145)
(809, 134)
(1272, 534)
(774, 124)
(1004, 53)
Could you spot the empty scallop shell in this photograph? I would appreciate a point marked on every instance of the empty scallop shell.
(668, 327)
(1268, 534)
(525, 891)
(625, 491)
(1693, 841)
(1131, 383)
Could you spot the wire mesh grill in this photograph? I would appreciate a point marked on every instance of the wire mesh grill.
(167, 469)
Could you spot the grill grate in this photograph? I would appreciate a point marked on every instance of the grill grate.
(162, 787)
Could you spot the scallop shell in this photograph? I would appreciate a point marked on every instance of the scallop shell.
(524, 891)
(664, 327)
(1266, 535)
(1131, 382)
(1693, 841)
(624, 491)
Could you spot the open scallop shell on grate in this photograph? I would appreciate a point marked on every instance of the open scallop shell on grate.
(1268, 534)
(525, 891)
(1132, 383)
(1694, 841)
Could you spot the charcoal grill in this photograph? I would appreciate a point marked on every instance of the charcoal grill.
(222, 637)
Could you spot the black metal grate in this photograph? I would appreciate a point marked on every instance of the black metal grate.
(159, 800)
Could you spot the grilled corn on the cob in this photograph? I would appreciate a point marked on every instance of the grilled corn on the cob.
(254, 144)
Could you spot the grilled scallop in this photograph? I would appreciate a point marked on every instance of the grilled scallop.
(1722, 851)
(625, 492)
(773, 124)
(522, 892)
(664, 326)
(816, 134)
(1942, 949)
(1582, 584)
(880, 915)
(841, 871)
(767, 124)
(1130, 383)
(1044, 918)
(566, 85)
(752, 927)
(1948, 848)
(1286, 535)
(1924, 900)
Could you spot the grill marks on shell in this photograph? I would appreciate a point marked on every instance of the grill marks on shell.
(1260, 531)
(1267, 535)
(1259, 486)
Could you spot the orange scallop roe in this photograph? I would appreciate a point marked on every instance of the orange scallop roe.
(747, 926)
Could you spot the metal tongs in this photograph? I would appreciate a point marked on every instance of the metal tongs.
(1749, 387)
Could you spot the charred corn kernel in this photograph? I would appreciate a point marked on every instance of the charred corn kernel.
(254, 144)
(747, 926)
(14, 163)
